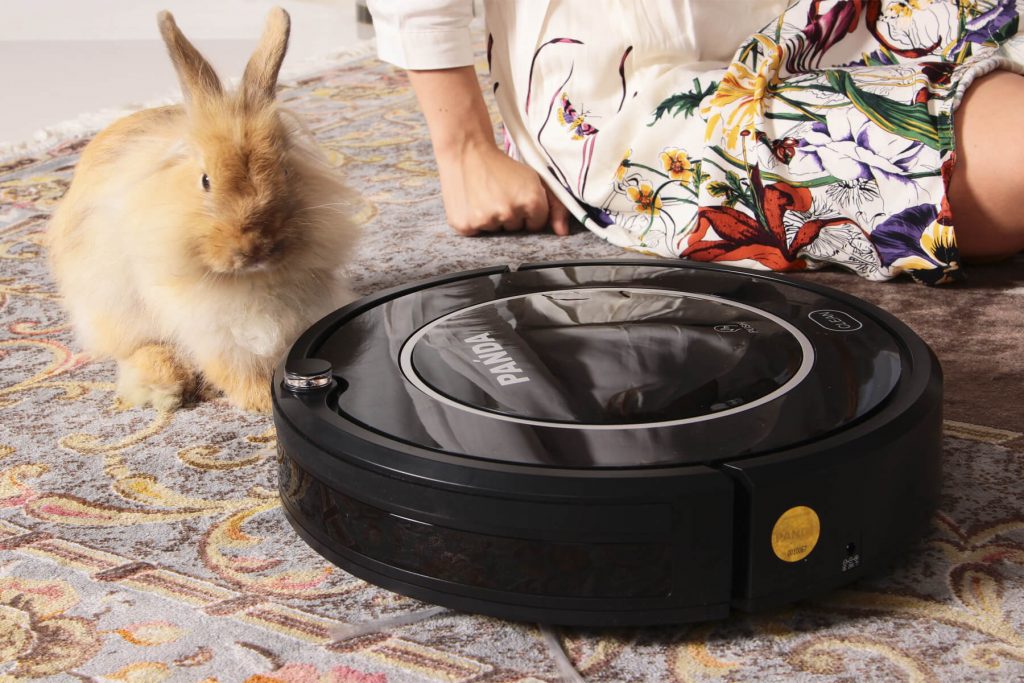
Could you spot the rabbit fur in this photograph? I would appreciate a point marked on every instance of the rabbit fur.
(196, 241)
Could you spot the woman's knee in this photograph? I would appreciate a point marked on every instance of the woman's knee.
(986, 189)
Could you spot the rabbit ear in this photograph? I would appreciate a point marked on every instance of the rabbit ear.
(195, 74)
(259, 82)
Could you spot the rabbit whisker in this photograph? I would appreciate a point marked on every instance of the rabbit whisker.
(322, 206)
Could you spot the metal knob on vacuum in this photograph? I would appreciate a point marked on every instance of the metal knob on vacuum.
(307, 374)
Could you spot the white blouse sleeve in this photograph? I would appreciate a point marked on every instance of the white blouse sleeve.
(423, 34)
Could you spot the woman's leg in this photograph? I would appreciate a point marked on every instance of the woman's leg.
(986, 192)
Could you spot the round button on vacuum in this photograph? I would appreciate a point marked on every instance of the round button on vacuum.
(307, 374)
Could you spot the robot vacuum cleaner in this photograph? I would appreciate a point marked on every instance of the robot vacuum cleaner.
(609, 443)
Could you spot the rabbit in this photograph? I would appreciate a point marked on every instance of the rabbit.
(197, 241)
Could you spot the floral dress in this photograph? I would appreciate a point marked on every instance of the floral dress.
(758, 133)
(827, 139)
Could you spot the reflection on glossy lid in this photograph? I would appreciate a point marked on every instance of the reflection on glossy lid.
(604, 358)
(609, 366)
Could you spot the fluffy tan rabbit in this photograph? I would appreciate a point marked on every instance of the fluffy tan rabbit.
(197, 241)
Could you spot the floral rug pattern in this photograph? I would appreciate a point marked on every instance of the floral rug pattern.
(140, 546)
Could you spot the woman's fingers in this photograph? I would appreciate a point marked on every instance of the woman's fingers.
(558, 215)
(486, 191)
(538, 210)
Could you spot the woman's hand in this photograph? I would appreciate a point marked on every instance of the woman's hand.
(483, 189)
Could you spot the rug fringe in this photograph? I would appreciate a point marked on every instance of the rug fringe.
(312, 65)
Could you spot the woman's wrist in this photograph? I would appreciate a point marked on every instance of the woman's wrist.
(460, 147)
(456, 113)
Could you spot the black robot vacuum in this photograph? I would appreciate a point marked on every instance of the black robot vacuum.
(610, 442)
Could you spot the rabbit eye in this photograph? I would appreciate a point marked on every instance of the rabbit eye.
(206, 182)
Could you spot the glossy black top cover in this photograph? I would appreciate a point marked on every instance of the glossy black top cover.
(608, 365)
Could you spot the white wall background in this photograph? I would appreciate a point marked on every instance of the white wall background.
(62, 58)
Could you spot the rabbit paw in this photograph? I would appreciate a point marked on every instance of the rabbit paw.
(254, 398)
(154, 376)
(247, 390)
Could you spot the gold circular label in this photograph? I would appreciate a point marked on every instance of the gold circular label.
(796, 533)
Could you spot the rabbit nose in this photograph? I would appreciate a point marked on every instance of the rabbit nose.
(251, 227)
(257, 232)
(254, 253)
(257, 251)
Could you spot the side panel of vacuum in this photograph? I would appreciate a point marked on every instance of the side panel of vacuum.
(633, 558)
(806, 525)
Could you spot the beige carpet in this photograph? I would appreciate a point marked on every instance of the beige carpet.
(138, 546)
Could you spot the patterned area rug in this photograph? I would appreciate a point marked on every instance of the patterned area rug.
(138, 546)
